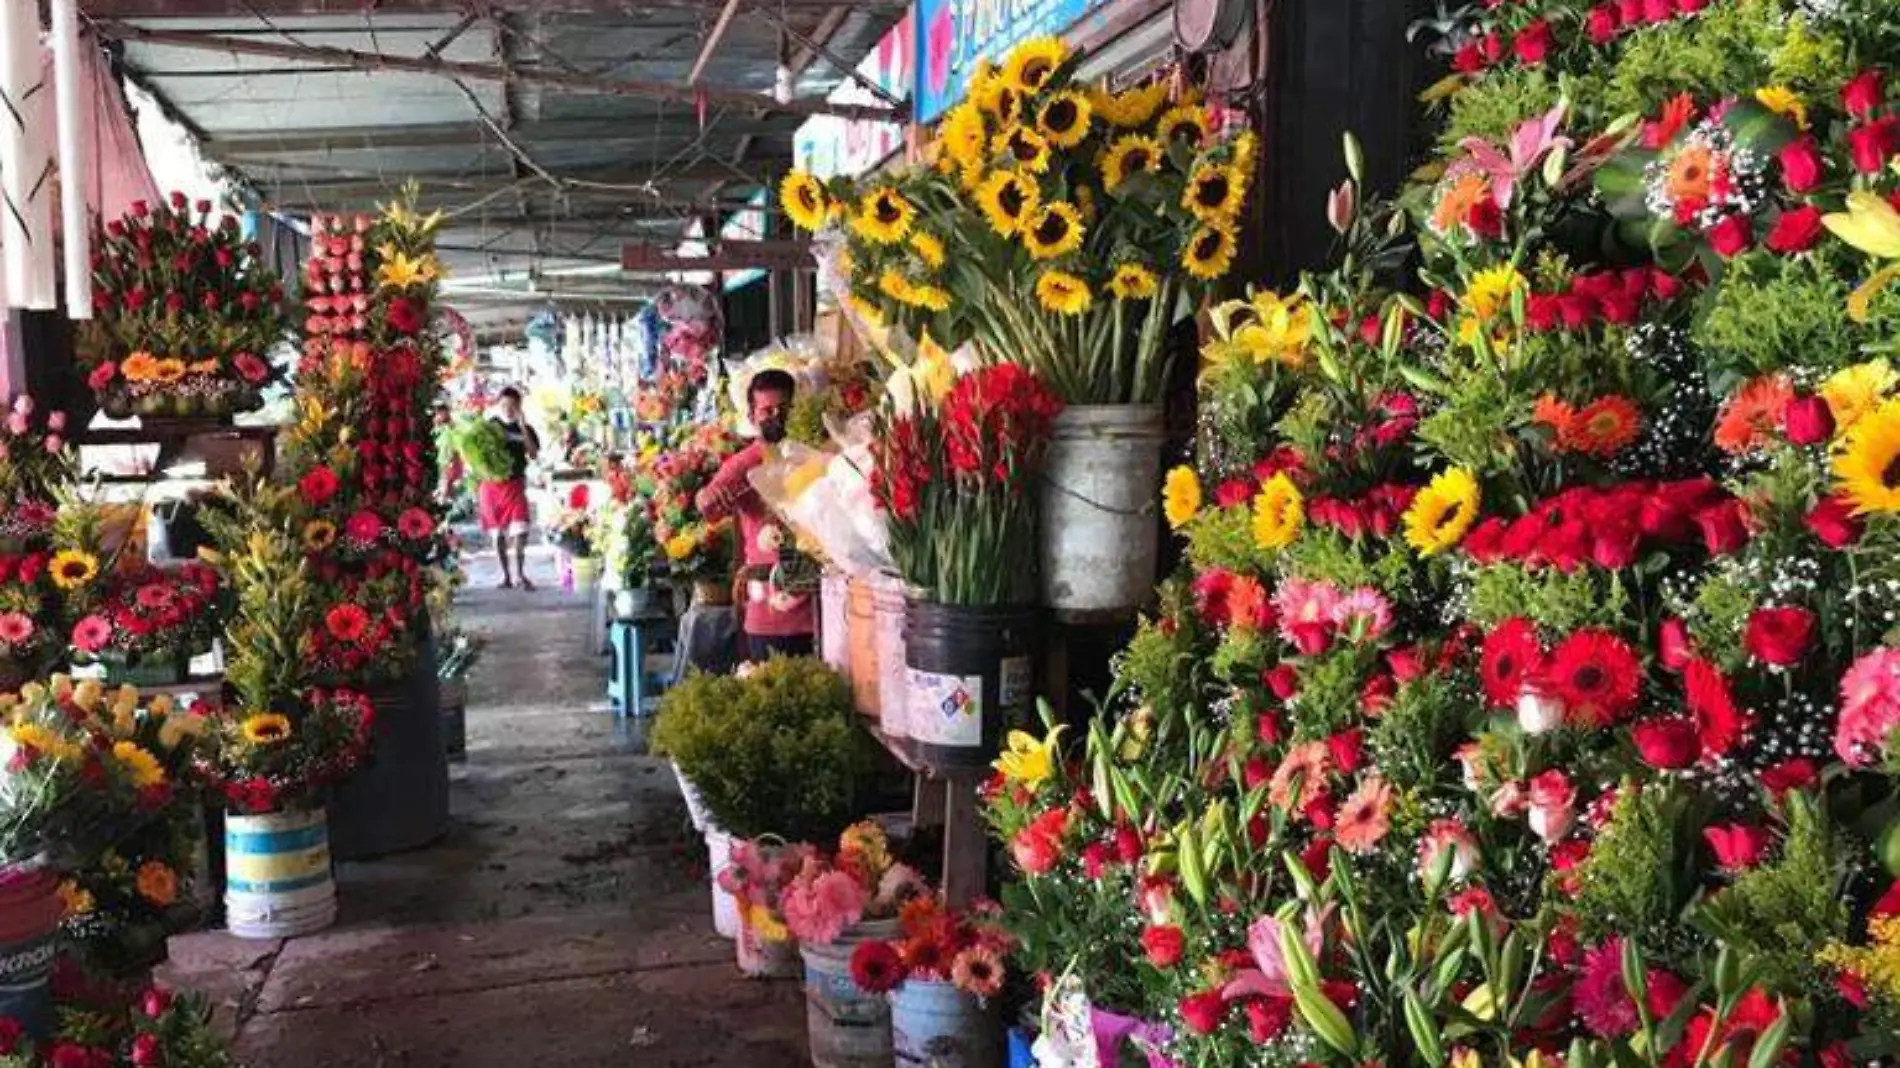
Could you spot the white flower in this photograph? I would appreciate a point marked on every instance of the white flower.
(1539, 713)
(770, 538)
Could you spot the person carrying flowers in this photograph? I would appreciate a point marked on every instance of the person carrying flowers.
(504, 503)
(774, 620)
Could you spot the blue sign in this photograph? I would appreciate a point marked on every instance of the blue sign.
(952, 35)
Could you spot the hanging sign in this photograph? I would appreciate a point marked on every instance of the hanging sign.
(827, 145)
(953, 35)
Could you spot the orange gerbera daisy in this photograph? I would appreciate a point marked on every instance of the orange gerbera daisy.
(1691, 174)
(1604, 427)
(1554, 413)
(1366, 817)
(1753, 414)
(1461, 194)
(1305, 769)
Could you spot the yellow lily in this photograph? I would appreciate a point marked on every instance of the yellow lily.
(1871, 225)
(1028, 761)
(399, 270)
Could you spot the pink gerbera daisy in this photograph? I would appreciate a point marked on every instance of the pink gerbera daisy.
(154, 595)
(1362, 615)
(15, 628)
(91, 634)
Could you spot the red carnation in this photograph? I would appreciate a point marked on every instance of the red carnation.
(364, 527)
(1832, 520)
(250, 368)
(1512, 657)
(1596, 675)
(1127, 843)
(1602, 24)
(1738, 846)
(1795, 773)
(404, 316)
(875, 967)
(1656, 11)
(1779, 636)
(1862, 95)
(1163, 945)
(318, 485)
(1667, 744)
(1796, 230)
(1801, 165)
(1532, 43)
(1485, 220)
(1732, 236)
(1203, 1012)
(1268, 1017)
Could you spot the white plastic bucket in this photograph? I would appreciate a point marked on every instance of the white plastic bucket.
(834, 635)
(847, 1027)
(725, 907)
(887, 613)
(1101, 484)
(277, 878)
(935, 1025)
(695, 805)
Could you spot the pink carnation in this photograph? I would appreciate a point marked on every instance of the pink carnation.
(1306, 608)
(1363, 614)
(817, 911)
(1870, 706)
(1603, 1002)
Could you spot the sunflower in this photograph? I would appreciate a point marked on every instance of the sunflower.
(1188, 123)
(140, 766)
(1213, 192)
(884, 216)
(168, 370)
(1279, 511)
(43, 741)
(318, 535)
(1063, 293)
(1023, 147)
(1867, 462)
(963, 135)
(918, 295)
(1132, 107)
(1056, 230)
(1442, 512)
(1210, 252)
(995, 97)
(1029, 66)
(870, 313)
(1007, 198)
(927, 248)
(266, 728)
(1181, 496)
(1064, 118)
(1854, 391)
(1132, 281)
(1603, 427)
(804, 199)
(73, 568)
(1130, 154)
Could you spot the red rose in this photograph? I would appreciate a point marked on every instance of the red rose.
(1163, 945)
(1795, 230)
(1095, 858)
(175, 303)
(1348, 749)
(1872, 144)
(1738, 846)
(148, 1051)
(318, 485)
(1203, 1012)
(1795, 773)
(1485, 220)
(1533, 43)
(1808, 420)
(1674, 647)
(1779, 636)
(1284, 681)
(1832, 520)
(1268, 1017)
(1127, 844)
(1723, 530)
(1667, 744)
(1655, 11)
(1862, 95)
(1732, 236)
(1602, 24)
(1801, 165)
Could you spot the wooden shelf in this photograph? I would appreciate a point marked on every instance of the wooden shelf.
(906, 753)
(947, 798)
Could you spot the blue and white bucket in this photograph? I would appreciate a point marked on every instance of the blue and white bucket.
(935, 1025)
(847, 1027)
(277, 878)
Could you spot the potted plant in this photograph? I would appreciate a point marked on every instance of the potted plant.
(185, 315)
(956, 481)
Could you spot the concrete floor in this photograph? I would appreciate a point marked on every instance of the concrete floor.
(564, 920)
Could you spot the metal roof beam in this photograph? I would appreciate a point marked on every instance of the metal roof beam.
(724, 256)
(711, 44)
(442, 135)
(250, 9)
(694, 96)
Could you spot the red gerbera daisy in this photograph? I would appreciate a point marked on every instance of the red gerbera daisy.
(1603, 427)
(1512, 657)
(415, 524)
(875, 967)
(347, 622)
(1597, 677)
(319, 484)
(927, 958)
(1719, 720)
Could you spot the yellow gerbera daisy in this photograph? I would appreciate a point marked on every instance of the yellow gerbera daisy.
(1007, 198)
(804, 200)
(1210, 251)
(1030, 64)
(1852, 392)
(1181, 497)
(1279, 511)
(1063, 293)
(1054, 231)
(1442, 512)
(1784, 101)
(927, 248)
(1489, 294)
(318, 535)
(1132, 281)
(1866, 462)
(140, 766)
(1022, 147)
(884, 216)
(265, 728)
(1064, 118)
(73, 568)
(1187, 122)
(168, 370)
(1130, 154)
(680, 546)
(1131, 107)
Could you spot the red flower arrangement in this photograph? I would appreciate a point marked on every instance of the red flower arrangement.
(966, 949)
(151, 613)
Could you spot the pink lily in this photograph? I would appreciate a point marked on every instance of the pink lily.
(1270, 979)
(1530, 142)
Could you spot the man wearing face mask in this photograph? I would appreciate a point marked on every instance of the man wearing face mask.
(771, 620)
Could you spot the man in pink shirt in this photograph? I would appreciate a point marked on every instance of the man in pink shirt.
(772, 620)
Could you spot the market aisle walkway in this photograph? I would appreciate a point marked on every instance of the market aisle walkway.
(564, 921)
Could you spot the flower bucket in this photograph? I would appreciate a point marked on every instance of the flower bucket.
(708, 593)
(764, 958)
(586, 573)
(935, 1025)
(695, 805)
(1100, 485)
(399, 800)
(893, 683)
(725, 907)
(834, 637)
(277, 879)
(970, 672)
(861, 647)
(454, 704)
(847, 1027)
(30, 911)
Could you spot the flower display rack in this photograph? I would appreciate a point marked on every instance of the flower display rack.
(947, 798)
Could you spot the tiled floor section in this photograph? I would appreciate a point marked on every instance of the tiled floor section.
(563, 922)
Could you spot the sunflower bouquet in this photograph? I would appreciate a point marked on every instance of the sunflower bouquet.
(1058, 224)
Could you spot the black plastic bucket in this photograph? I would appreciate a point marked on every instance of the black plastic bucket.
(399, 799)
(971, 675)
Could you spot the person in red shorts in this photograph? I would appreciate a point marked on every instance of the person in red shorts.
(504, 504)
(772, 620)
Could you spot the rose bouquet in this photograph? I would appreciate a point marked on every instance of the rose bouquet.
(1060, 224)
(956, 481)
(937, 944)
(858, 883)
(185, 315)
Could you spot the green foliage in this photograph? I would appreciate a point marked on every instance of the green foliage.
(1722, 52)
(1327, 555)
(777, 752)
(484, 448)
(1808, 60)
(1773, 312)
(1557, 600)
(1717, 614)
(1242, 653)
(1328, 701)
(1412, 741)
(1223, 538)
(1643, 866)
(1158, 666)
(1474, 427)
(1783, 912)
(1493, 106)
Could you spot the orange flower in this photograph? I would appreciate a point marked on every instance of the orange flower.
(1247, 602)
(1461, 195)
(138, 367)
(917, 915)
(1365, 818)
(157, 884)
(1553, 413)
(1604, 427)
(203, 367)
(1691, 174)
(1304, 768)
(1754, 414)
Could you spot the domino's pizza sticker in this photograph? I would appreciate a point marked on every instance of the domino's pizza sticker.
(946, 710)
